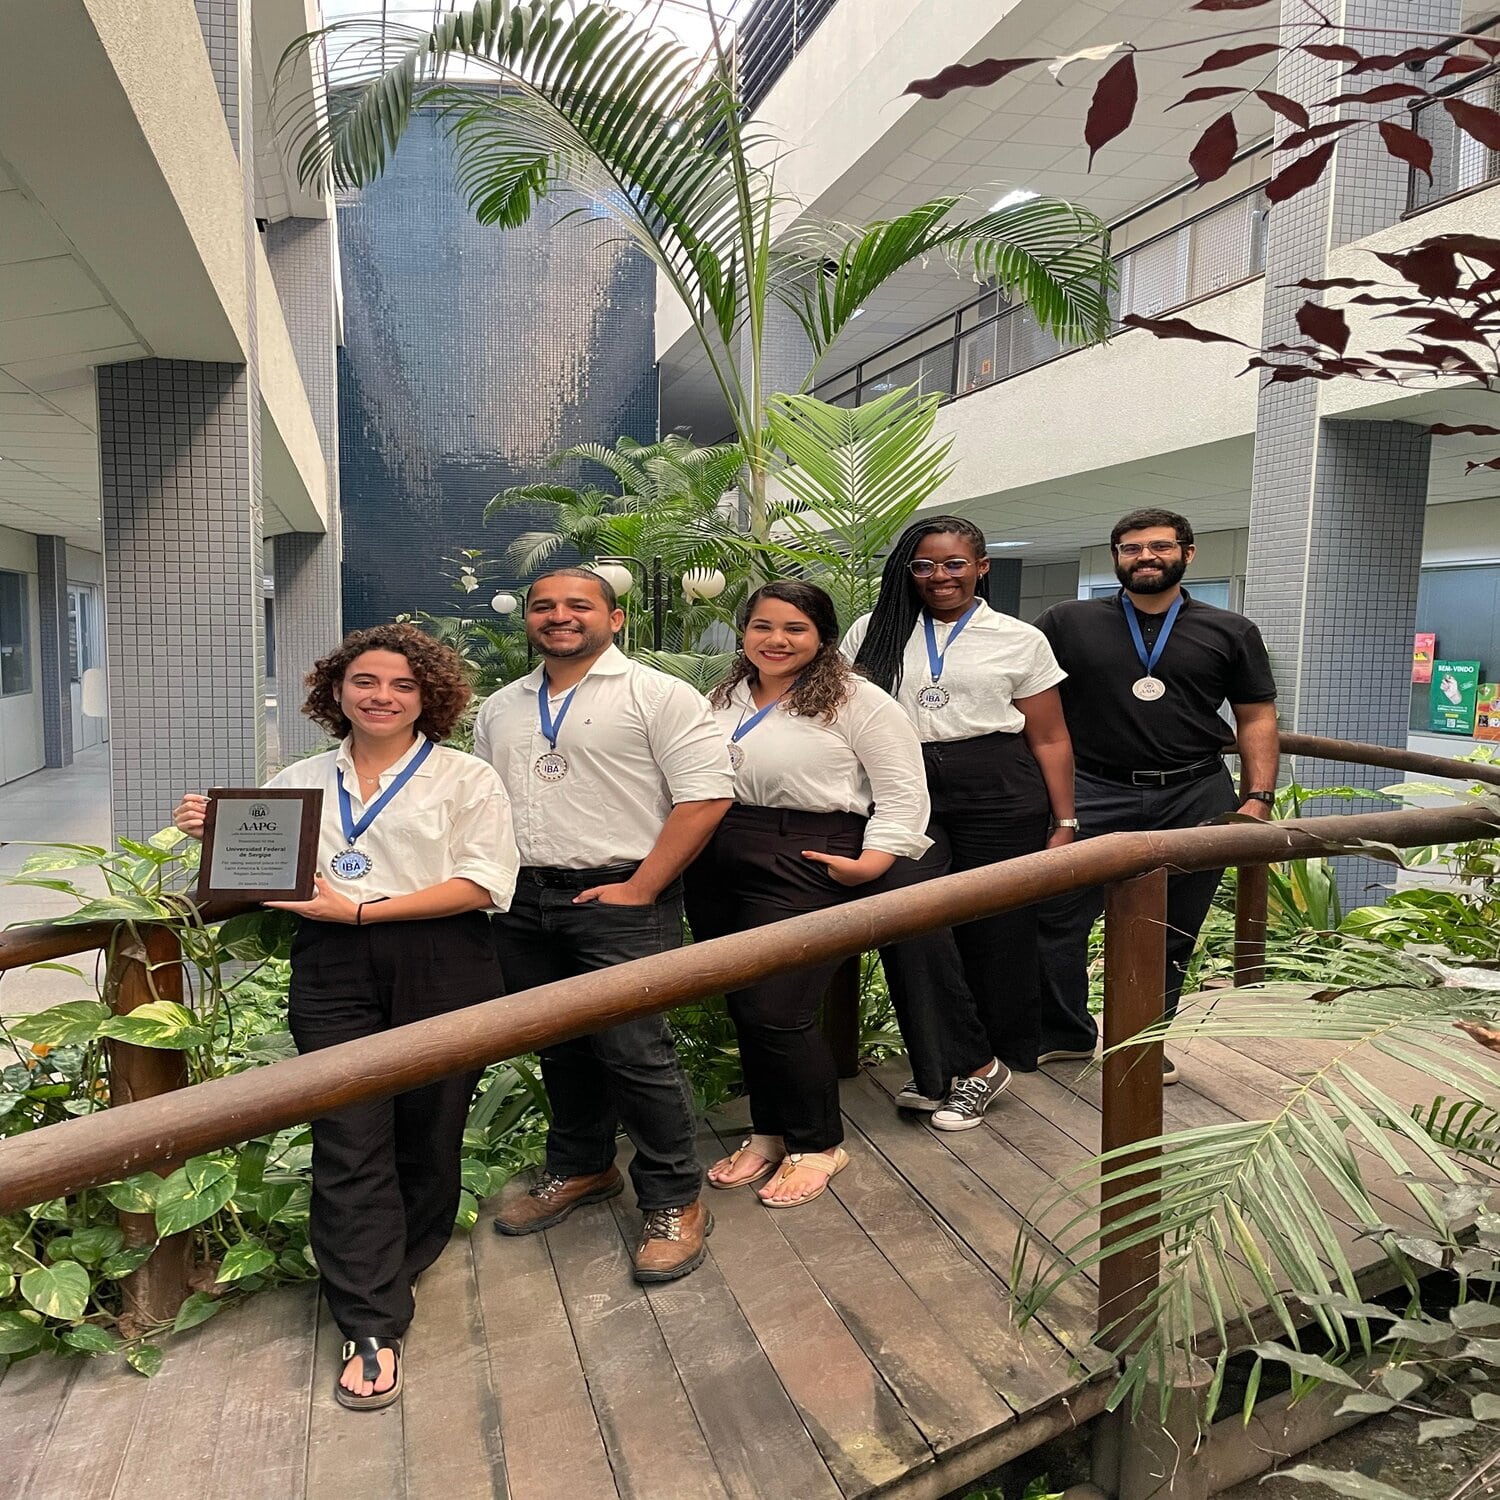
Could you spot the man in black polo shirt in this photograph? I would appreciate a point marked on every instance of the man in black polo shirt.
(1148, 670)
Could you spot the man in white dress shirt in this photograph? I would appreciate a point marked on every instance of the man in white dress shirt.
(617, 776)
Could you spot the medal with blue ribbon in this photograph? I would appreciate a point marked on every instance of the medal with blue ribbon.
(934, 695)
(354, 864)
(552, 764)
(736, 750)
(1150, 687)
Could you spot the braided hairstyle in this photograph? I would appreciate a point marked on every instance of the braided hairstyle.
(898, 606)
(826, 681)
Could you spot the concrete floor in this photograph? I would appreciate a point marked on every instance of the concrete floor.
(63, 806)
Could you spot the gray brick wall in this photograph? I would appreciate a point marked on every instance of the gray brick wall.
(55, 683)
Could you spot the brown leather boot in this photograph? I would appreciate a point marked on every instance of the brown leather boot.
(673, 1242)
(554, 1198)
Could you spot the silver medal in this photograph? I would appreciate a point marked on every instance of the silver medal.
(1148, 689)
(552, 765)
(351, 864)
(933, 696)
(736, 756)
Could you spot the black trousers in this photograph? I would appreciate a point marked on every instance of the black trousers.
(626, 1075)
(385, 1175)
(753, 873)
(1107, 807)
(989, 803)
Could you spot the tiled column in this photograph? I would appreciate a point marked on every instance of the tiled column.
(56, 682)
(180, 467)
(182, 577)
(307, 565)
(1337, 506)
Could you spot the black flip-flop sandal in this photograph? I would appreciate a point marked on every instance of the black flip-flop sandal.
(368, 1351)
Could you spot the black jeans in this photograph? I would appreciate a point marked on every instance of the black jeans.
(989, 803)
(626, 1075)
(753, 873)
(385, 1174)
(1107, 807)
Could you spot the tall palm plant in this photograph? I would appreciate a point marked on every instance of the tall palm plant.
(656, 137)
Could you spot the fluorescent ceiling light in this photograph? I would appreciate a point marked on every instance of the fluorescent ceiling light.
(1004, 546)
(858, 312)
(1015, 196)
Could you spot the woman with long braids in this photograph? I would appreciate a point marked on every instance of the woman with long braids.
(981, 689)
(830, 804)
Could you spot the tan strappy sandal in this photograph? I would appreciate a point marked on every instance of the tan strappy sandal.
(829, 1162)
(770, 1147)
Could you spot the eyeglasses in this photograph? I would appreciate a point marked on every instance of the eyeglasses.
(1156, 549)
(952, 566)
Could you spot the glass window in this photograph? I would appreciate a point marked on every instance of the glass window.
(1461, 607)
(15, 635)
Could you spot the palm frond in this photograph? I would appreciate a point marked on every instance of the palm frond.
(1046, 253)
(1273, 1204)
(856, 475)
(701, 669)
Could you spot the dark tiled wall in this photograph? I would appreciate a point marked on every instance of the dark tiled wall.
(471, 355)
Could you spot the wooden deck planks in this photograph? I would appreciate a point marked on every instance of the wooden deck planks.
(550, 1433)
(758, 1442)
(266, 1403)
(32, 1395)
(859, 1426)
(451, 1428)
(655, 1445)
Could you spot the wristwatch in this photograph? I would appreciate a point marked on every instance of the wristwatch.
(1066, 823)
(1269, 798)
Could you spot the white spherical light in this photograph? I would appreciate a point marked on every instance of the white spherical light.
(504, 603)
(616, 575)
(703, 583)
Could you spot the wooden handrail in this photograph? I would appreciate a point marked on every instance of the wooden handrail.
(1357, 753)
(92, 1149)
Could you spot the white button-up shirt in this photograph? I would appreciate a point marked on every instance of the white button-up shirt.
(867, 761)
(451, 819)
(637, 742)
(995, 660)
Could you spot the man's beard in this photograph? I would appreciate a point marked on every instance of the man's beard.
(570, 644)
(1170, 575)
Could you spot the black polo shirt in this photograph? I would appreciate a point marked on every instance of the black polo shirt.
(1213, 656)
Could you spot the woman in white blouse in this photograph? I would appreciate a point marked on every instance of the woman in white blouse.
(830, 804)
(416, 842)
(981, 689)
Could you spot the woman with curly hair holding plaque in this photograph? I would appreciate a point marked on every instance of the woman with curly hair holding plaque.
(415, 844)
(830, 804)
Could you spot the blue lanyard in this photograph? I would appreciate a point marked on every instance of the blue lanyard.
(352, 830)
(935, 658)
(551, 727)
(1133, 620)
(746, 725)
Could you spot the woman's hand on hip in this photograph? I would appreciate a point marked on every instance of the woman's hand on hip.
(871, 865)
(327, 905)
(189, 814)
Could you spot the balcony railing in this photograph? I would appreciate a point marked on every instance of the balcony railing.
(767, 40)
(1459, 162)
(989, 340)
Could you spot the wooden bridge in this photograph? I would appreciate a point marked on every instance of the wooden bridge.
(862, 1346)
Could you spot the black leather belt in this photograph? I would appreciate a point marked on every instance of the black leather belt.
(575, 880)
(1198, 771)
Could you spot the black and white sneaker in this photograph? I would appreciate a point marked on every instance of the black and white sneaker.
(911, 1097)
(964, 1107)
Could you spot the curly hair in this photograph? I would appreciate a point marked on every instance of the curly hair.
(826, 682)
(898, 606)
(438, 669)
